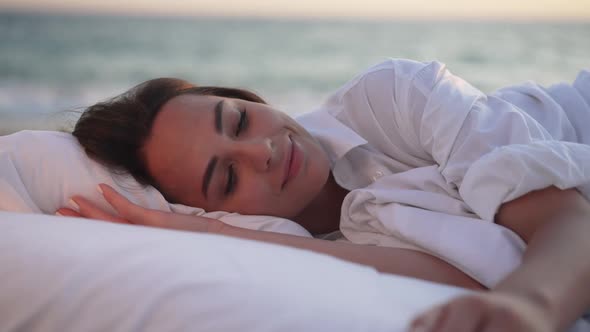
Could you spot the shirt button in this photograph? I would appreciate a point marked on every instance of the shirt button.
(377, 175)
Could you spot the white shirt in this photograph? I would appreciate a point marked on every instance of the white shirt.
(429, 159)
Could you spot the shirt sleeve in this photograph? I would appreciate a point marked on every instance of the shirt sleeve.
(442, 117)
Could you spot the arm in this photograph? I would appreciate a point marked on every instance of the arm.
(388, 260)
(549, 291)
(555, 269)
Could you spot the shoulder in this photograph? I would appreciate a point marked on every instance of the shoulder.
(389, 76)
(400, 67)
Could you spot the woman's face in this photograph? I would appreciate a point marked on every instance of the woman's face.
(224, 154)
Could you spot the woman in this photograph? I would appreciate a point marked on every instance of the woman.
(225, 149)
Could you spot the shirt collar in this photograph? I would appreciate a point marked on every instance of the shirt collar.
(336, 138)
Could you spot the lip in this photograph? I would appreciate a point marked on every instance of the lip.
(292, 162)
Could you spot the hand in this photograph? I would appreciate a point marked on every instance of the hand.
(485, 312)
(130, 213)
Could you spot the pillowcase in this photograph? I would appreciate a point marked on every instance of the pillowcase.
(41, 170)
(68, 275)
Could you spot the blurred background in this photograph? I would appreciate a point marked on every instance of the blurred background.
(58, 55)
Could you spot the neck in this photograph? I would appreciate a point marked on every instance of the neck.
(322, 215)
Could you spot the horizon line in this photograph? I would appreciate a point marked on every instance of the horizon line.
(297, 17)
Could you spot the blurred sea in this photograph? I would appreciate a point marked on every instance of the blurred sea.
(50, 63)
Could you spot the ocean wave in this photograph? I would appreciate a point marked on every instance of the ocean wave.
(52, 63)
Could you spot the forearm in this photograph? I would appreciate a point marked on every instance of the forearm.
(389, 260)
(555, 269)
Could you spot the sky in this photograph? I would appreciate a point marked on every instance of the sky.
(428, 9)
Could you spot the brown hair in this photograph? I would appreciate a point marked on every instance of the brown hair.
(114, 132)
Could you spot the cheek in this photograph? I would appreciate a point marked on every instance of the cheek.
(319, 165)
(254, 197)
(258, 199)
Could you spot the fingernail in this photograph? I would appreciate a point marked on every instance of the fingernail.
(99, 188)
(74, 205)
(58, 214)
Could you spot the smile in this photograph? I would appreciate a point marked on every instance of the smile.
(292, 163)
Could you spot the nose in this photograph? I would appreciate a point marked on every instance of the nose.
(256, 152)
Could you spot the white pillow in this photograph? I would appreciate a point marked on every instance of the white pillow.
(41, 170)
(68, 275)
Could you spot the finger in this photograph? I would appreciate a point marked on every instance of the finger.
(88, 209)
(195, 224)
(503, 319)
(149, 217)
(428, 321)
(64, 212)
(463, 314)
(132, 212)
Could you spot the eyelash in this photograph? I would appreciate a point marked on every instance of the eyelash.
(231, 180)
(242, 123)
(231, 174)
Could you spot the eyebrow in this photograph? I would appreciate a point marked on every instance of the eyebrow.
(213, 162)
(218, 116)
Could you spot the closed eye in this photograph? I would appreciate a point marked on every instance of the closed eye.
(242, 123)
(231, 180)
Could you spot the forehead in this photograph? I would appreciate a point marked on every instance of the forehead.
(186, 104)
(180, 117)
(174, 152)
